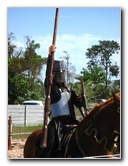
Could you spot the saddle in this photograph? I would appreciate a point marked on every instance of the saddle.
(63, 132)
(68, 128)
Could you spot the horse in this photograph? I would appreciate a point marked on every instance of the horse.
(97, 134)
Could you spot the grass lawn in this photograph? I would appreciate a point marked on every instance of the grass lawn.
(23, 132)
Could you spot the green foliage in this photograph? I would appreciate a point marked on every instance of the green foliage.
(94, 83)
(114, 70)
(95, 74)
(11, 46)
(17, 88)
(100, 64)
(100, 69)
(24, 70)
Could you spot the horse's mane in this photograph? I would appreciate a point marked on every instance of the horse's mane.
(109, 101)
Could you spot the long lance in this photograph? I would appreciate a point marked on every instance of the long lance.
(49, 84)
(84, 96)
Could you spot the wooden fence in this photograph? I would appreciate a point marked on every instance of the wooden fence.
(26, 115)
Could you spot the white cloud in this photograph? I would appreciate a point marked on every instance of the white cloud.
(75, 45)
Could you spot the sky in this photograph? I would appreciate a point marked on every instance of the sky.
(104, 28)
(78, 29)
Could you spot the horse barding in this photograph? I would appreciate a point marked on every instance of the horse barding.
(96, 135)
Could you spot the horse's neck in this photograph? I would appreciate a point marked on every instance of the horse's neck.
(98, 120)
(95, 131)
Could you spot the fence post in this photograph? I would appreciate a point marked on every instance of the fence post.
(25, 116)
(9, 133)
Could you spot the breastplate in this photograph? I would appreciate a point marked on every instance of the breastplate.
(61, 107)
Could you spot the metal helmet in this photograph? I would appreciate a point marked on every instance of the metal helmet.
(59, 71)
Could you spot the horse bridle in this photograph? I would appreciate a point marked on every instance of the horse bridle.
(108, 142)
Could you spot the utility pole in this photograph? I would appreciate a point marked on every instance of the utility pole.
(67, 61)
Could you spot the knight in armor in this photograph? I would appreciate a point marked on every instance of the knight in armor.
(63, 101)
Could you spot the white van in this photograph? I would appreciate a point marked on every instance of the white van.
(101, 100)
(32, 102)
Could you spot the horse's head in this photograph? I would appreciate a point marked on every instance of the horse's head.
(113, 109)
(108, 113)
(99, 131)
(116, 111)
(105, 121)
(116, 120)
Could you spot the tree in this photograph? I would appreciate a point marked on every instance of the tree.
(94, 78)
(70, 68)
(100, 55)
(24, 70)
(11, 46)
(32, 62)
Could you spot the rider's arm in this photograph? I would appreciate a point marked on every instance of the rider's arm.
(55, 93)
(75, 100)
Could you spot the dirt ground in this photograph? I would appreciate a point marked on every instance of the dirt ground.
(17, 149)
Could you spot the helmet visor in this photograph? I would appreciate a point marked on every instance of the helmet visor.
(59, 76)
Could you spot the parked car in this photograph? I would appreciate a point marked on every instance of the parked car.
(101, 100)
(32, 102)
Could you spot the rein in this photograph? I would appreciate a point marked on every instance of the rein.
(68, 140)
(78, 145)
(91, 130)
(108, 143)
